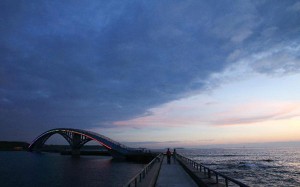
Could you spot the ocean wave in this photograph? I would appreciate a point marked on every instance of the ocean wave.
(255, 165)
(247, 165)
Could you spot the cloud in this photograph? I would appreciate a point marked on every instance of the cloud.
(295, 7)
(166, 144)
(236, 25)
(257, 112)
(88, 65)
(280, 60)
(151, 143)
(241, 36)
(182, 113)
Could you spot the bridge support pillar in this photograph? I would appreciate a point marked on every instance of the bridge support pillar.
(76, 140)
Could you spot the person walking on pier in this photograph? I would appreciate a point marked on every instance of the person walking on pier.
(168, 156)
(174, 156)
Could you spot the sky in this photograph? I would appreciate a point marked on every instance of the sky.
(152, 73)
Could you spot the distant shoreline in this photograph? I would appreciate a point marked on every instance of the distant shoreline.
(13, 146)
(62, 149)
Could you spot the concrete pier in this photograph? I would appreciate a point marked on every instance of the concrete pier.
(173, 175)
(182, 172)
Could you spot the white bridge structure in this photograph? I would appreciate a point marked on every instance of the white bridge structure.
(77, 138)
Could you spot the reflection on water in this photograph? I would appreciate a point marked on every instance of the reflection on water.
(32, 169)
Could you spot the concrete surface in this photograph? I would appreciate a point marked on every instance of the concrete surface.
(173, 175)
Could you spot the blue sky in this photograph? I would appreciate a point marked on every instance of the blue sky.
(176, 72)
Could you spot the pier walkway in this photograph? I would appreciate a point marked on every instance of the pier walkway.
(184, 172)
(172, 175)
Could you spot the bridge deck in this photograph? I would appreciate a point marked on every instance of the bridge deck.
(173, 175)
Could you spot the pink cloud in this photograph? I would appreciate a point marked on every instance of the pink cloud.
(178, 114)
(258, 112)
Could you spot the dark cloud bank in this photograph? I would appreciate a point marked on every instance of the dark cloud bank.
(85, 64)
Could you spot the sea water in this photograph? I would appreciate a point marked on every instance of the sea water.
(51, 169)
(253, 166)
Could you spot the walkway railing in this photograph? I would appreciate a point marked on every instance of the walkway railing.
(209, 172)
(142, 174)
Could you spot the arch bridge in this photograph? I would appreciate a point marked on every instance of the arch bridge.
(77, 138)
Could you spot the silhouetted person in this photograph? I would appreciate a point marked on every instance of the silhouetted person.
(168, 156)
(174, 155)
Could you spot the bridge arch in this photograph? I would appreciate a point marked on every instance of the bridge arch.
(77, 138)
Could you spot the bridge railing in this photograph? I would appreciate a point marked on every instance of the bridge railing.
(113, 141)
(209, 172)
(137, 179)
(108, 139)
